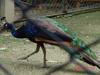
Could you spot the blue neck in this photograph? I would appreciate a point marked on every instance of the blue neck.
(12, 29)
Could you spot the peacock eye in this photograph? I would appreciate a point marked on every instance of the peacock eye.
(6, 25)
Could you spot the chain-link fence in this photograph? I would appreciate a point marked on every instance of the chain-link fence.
(51, 7)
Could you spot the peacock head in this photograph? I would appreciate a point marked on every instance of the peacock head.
(2, 21)
(4, 24)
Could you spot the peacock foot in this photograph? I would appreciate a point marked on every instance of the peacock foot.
(23, 58)
(45, 66)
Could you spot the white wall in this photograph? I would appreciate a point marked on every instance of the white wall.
(7, 9)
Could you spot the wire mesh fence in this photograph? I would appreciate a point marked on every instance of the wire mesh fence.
(52, 7)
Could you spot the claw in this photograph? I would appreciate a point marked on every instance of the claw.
(23, 58)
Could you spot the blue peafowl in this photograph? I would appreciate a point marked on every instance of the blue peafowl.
(32, 31)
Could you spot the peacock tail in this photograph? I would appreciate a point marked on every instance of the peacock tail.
(76, 40)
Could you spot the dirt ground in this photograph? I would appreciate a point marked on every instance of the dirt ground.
(87, 27)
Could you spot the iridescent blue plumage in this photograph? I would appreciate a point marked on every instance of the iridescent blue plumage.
(30, 29)
(26, 31)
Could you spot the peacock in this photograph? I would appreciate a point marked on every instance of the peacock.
(36, 30)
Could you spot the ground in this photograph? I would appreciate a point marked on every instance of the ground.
(87, 27)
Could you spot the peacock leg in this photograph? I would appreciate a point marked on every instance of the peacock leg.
(36, 51)
(44, 58)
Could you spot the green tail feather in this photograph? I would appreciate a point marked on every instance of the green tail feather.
(76, 40)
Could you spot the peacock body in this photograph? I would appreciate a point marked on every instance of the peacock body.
(35, 30)
(76, 41)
